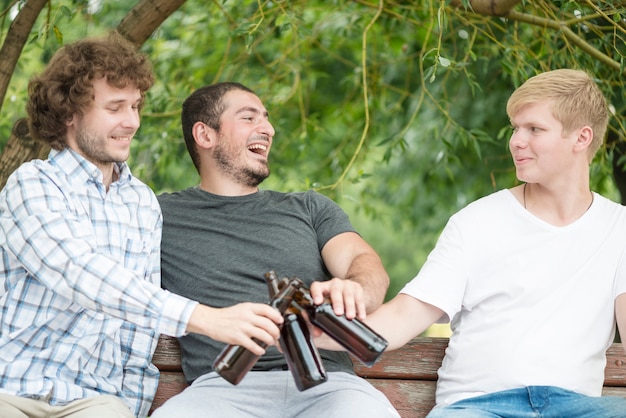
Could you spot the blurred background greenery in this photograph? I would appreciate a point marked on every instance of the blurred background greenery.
(394, 109)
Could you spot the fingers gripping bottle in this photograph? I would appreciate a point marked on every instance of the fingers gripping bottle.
(235, 361)
(352, 334)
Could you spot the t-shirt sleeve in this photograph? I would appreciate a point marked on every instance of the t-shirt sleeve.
(328, 218)
(442, 279)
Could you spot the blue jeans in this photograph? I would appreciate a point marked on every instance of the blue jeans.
(534, 402)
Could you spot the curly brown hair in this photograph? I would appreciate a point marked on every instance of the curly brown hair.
(65, 87)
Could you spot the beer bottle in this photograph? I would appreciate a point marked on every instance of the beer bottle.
(352, 334)
(303, 358)
(274, 284)
(235, 361)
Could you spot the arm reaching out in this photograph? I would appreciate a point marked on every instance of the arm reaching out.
(402, 319)
(398, 321)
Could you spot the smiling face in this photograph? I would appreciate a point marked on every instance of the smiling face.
(102, 134)
(539, 148)
(244, 139)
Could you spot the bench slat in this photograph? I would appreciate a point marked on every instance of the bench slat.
(167, 354)
(406, 376)
(170, 384)
(615, 371)
(419, 359)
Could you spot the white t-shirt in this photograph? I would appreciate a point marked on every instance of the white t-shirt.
(531, 303)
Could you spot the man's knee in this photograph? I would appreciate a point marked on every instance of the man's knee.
(105, 406)
(17, 407)
(8, 411)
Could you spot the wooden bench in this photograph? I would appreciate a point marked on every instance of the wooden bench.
(406, 376)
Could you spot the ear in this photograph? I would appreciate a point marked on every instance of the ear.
(204, 135)
(69, 122)
(585, 138)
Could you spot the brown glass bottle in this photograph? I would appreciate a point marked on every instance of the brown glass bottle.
(352, 334)
(234, 361)
(303, 358)
(274, 284)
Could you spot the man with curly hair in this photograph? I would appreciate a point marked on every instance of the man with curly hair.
(81, 306)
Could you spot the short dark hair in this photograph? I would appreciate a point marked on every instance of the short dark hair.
(205, 105)
(65, 87)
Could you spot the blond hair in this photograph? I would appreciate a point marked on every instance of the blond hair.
(576, 101)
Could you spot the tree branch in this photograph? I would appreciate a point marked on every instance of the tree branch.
(145, 18)
(20, 147)
(15, 40)
(569, 35)
(487, 7)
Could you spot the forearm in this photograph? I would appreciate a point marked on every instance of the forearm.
(348, 256)
(367, 270)
(402, 318)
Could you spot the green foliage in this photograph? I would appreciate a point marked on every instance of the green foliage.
(394, 109)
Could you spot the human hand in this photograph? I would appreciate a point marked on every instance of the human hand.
(346, 296)
(239, 324)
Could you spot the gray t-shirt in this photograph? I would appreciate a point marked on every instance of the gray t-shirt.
(216, 250)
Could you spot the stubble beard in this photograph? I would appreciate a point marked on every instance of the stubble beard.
(93, 147)
(244, 175)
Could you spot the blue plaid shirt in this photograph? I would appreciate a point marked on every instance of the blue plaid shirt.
(81, 306)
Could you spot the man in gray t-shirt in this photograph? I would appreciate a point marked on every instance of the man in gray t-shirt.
(221, 237)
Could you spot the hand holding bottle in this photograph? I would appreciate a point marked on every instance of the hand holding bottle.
(235, 361)
(293, 300)
(345, 296)
(352, 334)
(239, 324)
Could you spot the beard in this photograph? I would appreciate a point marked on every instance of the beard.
(226, 159)
(93, 147)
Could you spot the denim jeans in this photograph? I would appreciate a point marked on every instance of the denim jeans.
(534, 402)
